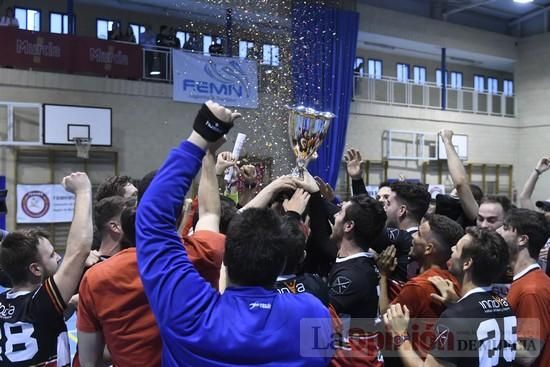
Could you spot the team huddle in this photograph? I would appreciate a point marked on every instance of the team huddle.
(286, 276)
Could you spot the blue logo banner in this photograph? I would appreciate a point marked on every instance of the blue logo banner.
(225, 80)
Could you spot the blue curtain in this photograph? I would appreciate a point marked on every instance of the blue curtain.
(323, 53)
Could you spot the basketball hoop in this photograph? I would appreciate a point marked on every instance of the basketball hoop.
(82, 147)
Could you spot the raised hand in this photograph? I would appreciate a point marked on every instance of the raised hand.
(543, 165)
(248, 173)
(77, 182)
(446, 135)
(308, 183)
(223, 161)
(298, 202)
(386, 261)
(445, 288)
(213, 121)
(326, 190)
(354, 163)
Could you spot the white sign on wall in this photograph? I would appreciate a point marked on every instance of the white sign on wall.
(226, 80)
(44, 204)
(435, 190)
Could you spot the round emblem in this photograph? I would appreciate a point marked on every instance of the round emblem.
(35, 204)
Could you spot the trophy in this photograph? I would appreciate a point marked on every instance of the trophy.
(306, 128)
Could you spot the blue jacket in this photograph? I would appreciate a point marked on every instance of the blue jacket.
(199, 327)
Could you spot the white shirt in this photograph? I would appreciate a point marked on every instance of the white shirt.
(9, 22)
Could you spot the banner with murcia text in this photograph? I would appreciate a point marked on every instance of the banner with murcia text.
(226, 80)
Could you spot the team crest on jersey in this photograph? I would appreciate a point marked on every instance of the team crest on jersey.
(442, 333)
(340, 285)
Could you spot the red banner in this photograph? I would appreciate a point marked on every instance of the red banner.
(69, 54)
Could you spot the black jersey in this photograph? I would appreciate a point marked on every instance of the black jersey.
(353, 286)
(310, 283)
(32, 328)
(478, 331)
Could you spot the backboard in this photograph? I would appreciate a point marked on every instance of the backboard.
(63, 123)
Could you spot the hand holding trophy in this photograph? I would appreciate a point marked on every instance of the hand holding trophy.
(306, 128)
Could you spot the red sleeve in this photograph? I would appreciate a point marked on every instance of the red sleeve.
(205, 250)
(530, 311)
(413, 297)
(86, 320)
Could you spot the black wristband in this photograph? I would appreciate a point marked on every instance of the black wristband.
(209, 126)
(538, 172)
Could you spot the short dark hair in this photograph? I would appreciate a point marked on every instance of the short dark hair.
(254, 248)
(108, 208)
(414, 195)
(228, 209)
(477, 192)
(18, 250)
(144, 183)
(369, 218)
(128, 224)
(531, 224)
(489, 253)
(446, 232)
(112, 186)
(384, 184)
(498, 199)
(295, 243)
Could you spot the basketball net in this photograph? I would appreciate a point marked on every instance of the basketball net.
(82, 147)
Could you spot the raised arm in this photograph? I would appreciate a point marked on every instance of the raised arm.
(458, 175)
(176, 292)
(209, 197)
(529, 186)
(79, 240)
(264, 197)
(354, 167)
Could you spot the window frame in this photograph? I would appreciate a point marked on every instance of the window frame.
(105, 20)
(504, 89)
(489, 90)
(375, 76)
(62, 23)
(461, 79)
(356, 65)
(483, 87)
(271, 62)
(39, 11)
(408, 71)
(446, 77)
(247, 48)
(140, 26)
(420, 67)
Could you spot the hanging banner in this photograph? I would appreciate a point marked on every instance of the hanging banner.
(225, 80)
(44, 204)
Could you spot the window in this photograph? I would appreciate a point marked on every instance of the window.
(270, 55)
(508, 87)
(246, 49)
(104, 26)
(359, 66)
(137, 29)
(403, 72)
(419, 74)
(59, 23)
(479, 83)
(456, 80)
(183, 37)
(28, 19)
(374, 68)
(492, 85)
(438, 77)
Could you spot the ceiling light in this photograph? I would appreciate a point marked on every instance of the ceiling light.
(523, 1)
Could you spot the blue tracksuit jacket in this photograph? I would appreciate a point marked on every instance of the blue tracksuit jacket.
(246, 326)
